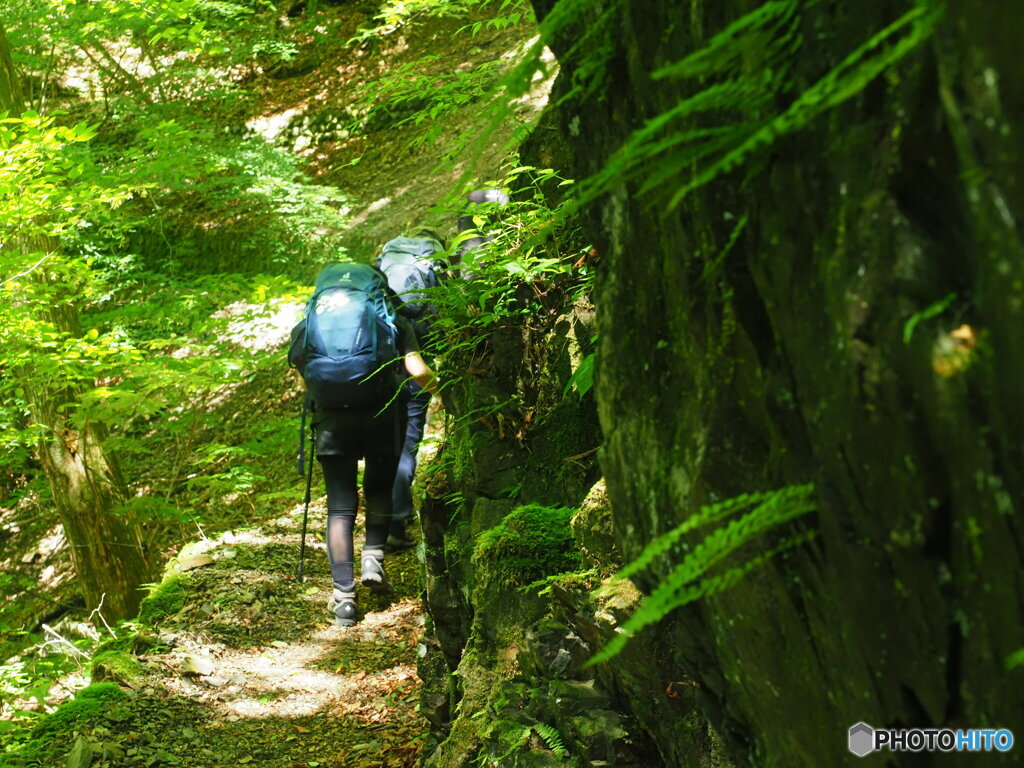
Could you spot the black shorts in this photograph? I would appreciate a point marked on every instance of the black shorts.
(357, 433)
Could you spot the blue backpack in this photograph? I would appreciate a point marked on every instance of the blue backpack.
(349, 356)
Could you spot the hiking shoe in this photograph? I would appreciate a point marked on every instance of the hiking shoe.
(402, 539)
(343, 605)
(372, 574)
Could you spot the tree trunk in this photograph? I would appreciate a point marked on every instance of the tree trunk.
(813, 344)
(106, 548)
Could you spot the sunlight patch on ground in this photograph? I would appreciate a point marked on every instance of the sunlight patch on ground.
(258, 329)
(253, 537)
(374, 207)
(273, 125)
(287, 681)
(44, 553)
(537, 97)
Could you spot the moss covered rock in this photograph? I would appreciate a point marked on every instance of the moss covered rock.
(115, 666)
(594, 530)
(785, 323)
(87, 703)
(532, 542)
(167, 599)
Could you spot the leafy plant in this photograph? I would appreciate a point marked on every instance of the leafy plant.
(692, 578)
(738, 76)
(552, 739)
(582, 379)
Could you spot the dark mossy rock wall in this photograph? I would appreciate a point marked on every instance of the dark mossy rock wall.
(513, 499)
(808, 355)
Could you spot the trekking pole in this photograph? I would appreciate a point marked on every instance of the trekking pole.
(302, 432)
(305, 511)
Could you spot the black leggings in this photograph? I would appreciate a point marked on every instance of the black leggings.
(343, 502)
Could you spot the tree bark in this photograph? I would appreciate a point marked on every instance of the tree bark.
(106, 548)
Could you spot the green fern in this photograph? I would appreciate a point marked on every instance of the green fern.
(517, 743)
(711, 513)
(552, 739)
(689, 580)
(741, 73)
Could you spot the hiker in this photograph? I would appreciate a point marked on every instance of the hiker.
(479, 203)
(350, 350)
(412, 265)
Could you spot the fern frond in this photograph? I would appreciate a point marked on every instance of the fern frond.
(689, 580)
(742, 71)
(780, 508)
(646, 615)
(708, 514)
(552, 739)
(732, 41)
(849, 78)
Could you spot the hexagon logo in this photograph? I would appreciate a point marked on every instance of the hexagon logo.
(862, 739)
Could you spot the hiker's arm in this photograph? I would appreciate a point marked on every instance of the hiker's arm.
(421, 373)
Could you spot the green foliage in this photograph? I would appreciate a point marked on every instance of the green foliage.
(180, 49)
(582, 379)
(552, 739)
(42, 665)
(514, 736)
(738, 77)
(533, 250)
(43, 744)
(695, 577)
(427, 94)
(47, 184)
(510, 13)
(532, 541)
(423, 94)
(397, 15)
(171, 359)
(274, 218)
